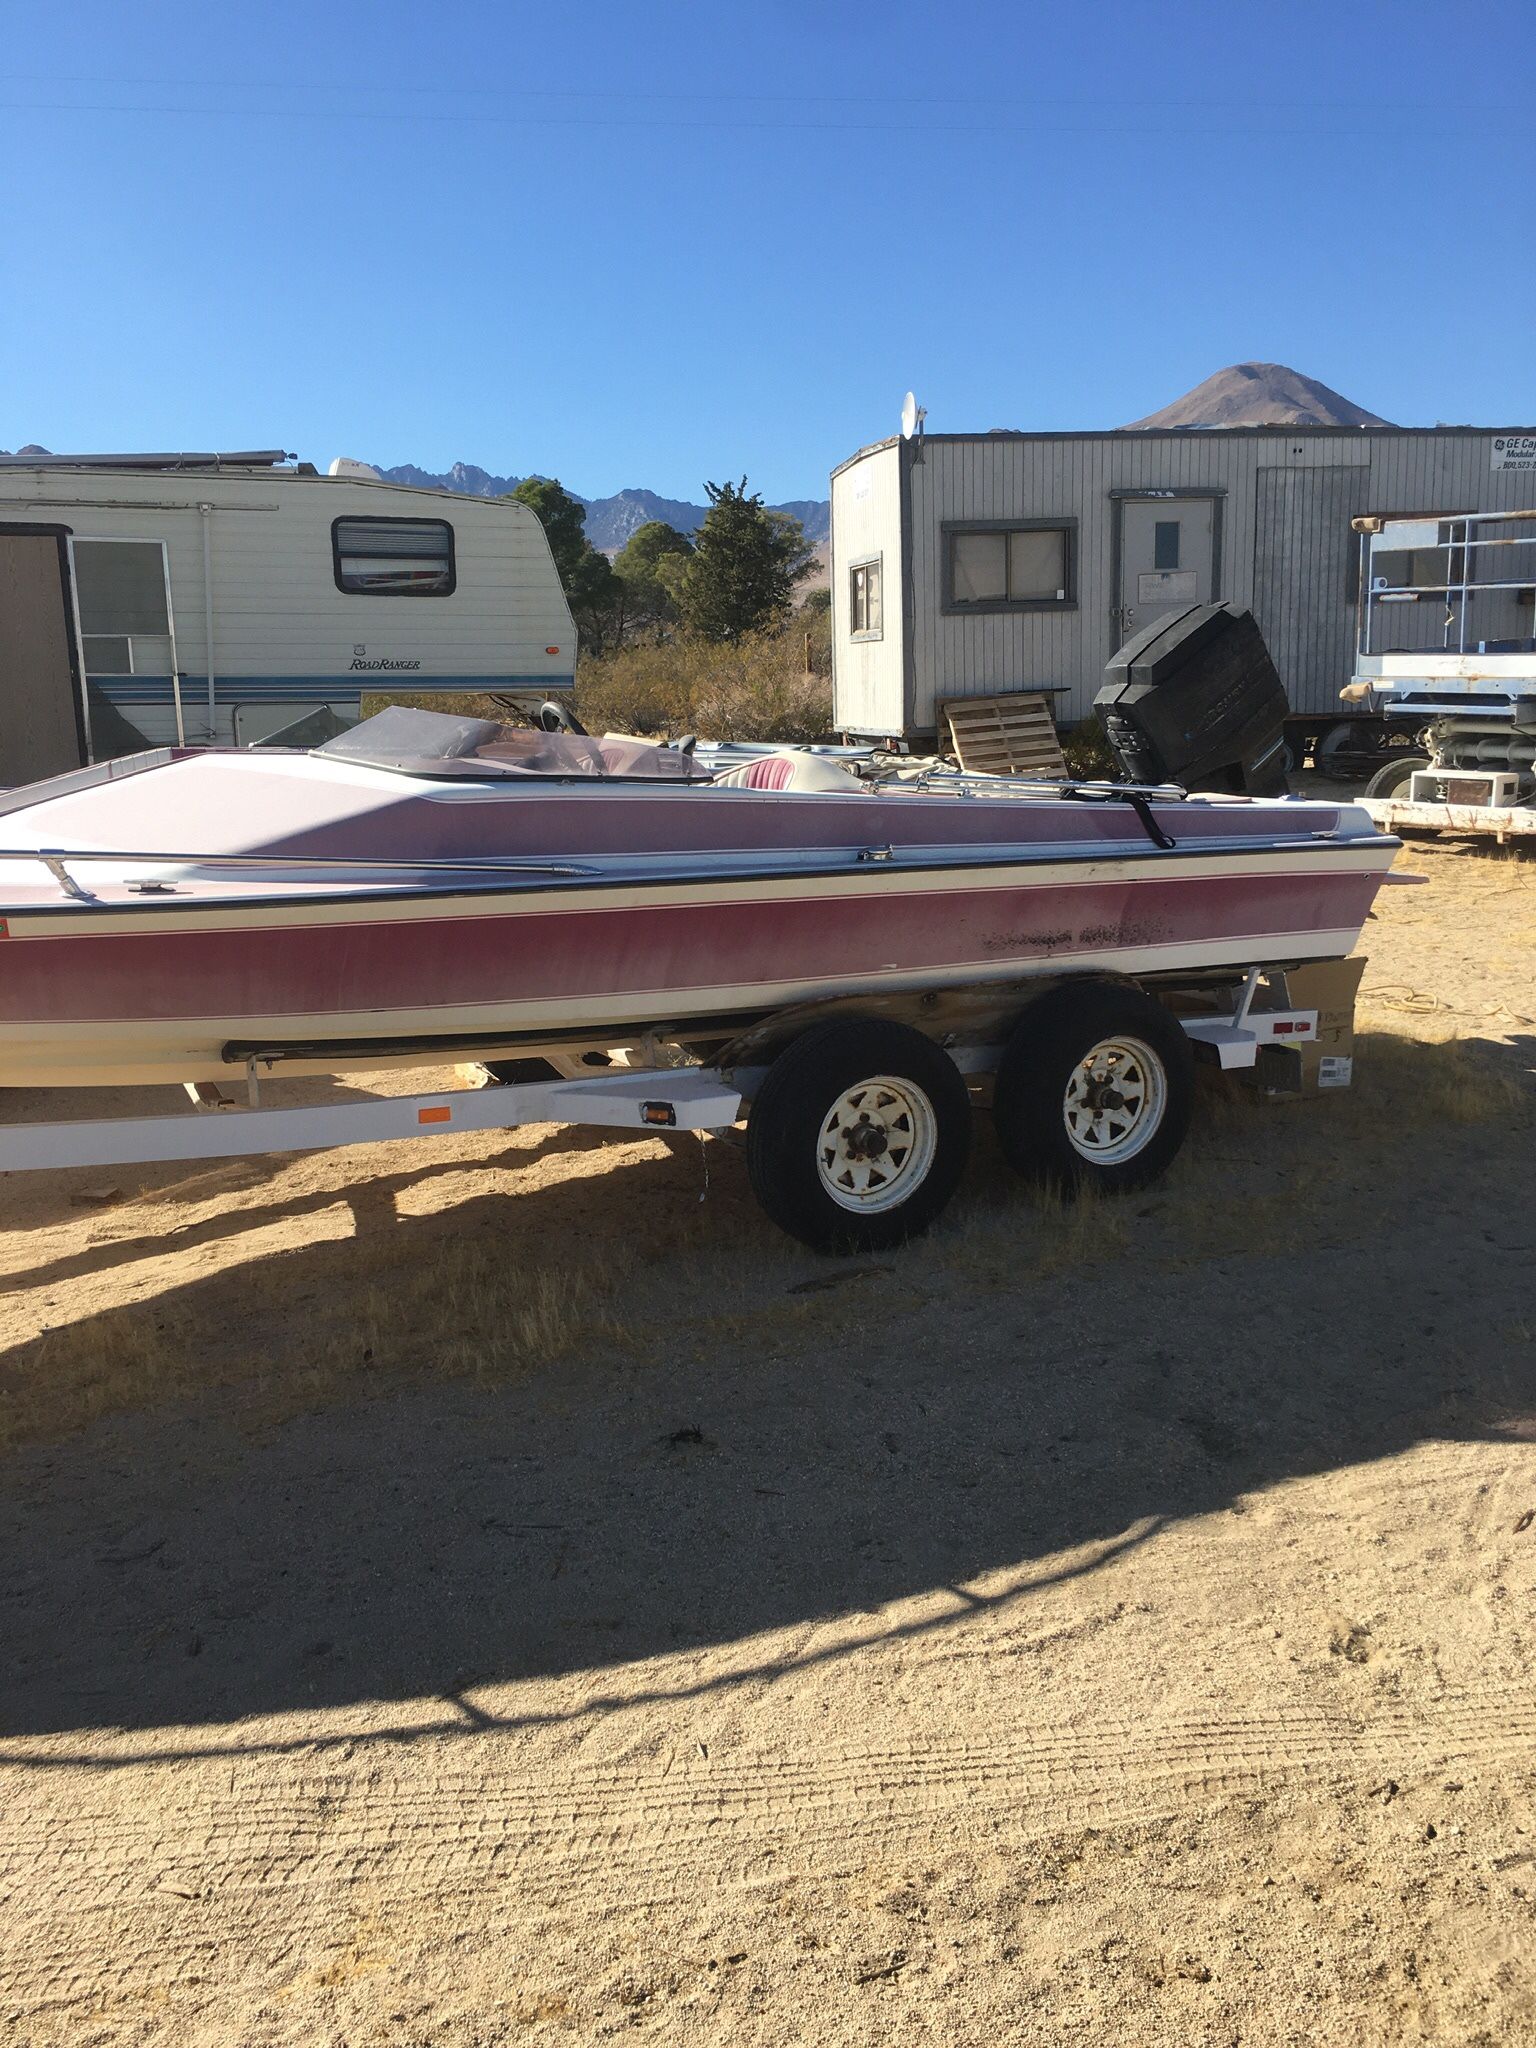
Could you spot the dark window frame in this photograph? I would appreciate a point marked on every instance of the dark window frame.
(965, 608)
(388, 519)
(1159, 528)
(863, 633)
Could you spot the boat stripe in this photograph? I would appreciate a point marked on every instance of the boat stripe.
(227, 690)
(664, 1002)
(129, 920)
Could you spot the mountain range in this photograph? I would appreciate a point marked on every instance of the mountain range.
(610, 521)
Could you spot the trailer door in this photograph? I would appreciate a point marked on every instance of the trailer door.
(42, 728)
(1169, 550)
(1303, 553)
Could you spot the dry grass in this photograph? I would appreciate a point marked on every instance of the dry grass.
(1428, 1076)
(73, 1375)
(467, 1313)
(756, 689)
(302, 1327)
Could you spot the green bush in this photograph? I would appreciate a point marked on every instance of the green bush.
(1087, 753)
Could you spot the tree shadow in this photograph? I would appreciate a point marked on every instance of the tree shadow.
(757, 1450)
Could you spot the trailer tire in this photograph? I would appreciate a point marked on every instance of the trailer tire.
(858, 1135)
(1095, 1090)
(1393, 776)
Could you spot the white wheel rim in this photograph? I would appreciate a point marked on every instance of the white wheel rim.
(1114, 1101)
(876, 1144)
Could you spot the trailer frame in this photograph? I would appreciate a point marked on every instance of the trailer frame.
(650, 1095)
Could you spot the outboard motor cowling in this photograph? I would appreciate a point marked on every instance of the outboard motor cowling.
(1195, 699)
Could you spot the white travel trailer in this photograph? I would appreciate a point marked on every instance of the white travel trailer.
(221, 598)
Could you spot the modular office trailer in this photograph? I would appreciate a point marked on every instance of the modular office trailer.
(965, 565)
(222, 598)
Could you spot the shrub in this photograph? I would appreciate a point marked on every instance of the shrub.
(755, 688)
(1087, 752)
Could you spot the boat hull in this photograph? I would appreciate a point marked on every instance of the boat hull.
(177, 990)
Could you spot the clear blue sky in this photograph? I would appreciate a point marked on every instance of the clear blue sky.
(650, 243)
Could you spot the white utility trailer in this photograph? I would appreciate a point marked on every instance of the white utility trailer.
(857, 1109)
(1447, 656)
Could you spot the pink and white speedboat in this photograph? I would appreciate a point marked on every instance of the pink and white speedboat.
(430, 886)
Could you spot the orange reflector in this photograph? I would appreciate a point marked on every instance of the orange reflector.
(439, 1113)
(657, 1113)
(551, 650)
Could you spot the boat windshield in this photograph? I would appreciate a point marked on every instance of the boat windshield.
(430, 743)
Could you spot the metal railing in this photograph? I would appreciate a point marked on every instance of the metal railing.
(1460, 537)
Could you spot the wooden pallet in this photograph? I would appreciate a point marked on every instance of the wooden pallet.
(1012, 734)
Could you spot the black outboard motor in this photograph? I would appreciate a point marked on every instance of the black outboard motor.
(1195, 699)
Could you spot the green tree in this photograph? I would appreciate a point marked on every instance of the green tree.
(595, 594)
(746, 563)
(652, 565)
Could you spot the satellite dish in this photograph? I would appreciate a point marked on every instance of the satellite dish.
(912, 416)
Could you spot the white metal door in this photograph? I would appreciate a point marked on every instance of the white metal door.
(1167, 558)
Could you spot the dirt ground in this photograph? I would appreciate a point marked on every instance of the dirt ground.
(433, 1618)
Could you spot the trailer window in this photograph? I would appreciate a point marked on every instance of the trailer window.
(1004, 567)
(121, 586)
(393, 557)
(864, 600)
(107, 654)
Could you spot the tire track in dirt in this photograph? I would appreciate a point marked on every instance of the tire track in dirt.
(180, 1877)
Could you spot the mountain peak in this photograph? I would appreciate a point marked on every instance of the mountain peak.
(1261, 395)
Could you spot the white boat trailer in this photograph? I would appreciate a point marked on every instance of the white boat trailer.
(645, 1097)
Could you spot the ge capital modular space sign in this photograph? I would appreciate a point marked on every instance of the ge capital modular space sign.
(1514, 451)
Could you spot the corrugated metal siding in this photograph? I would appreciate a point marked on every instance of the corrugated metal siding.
(1303, 548)
(1287, 548)
(867, 692)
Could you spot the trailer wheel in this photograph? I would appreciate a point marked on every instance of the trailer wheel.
(1387, 781)
(1095, 1090)
(858, 1136)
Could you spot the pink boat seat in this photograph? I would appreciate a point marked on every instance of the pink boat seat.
(792, 771)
